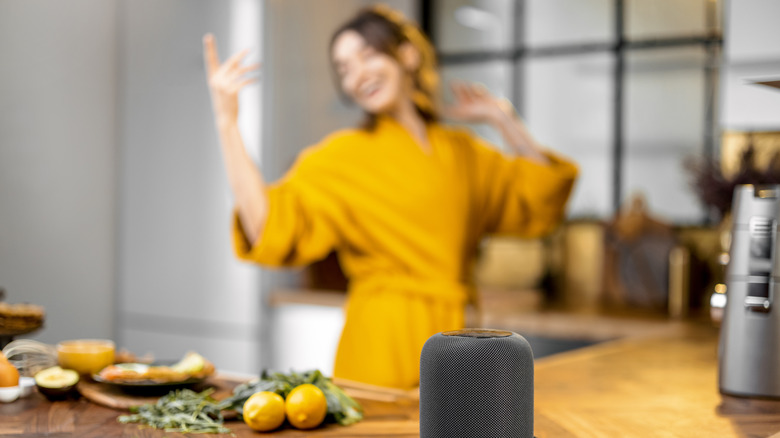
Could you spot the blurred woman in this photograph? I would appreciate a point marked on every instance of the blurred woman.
(403, 199)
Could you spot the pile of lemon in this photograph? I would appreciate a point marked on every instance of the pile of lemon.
(305, 408)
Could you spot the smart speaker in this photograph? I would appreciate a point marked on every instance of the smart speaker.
(476, 383)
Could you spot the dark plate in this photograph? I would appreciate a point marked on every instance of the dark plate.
(148, 385)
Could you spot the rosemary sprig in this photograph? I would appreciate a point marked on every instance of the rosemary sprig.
(182, 410)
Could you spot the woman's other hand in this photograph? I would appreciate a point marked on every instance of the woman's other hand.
(475, 104)
(226, 80)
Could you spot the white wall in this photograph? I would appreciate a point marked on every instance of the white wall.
(751, 52)
(58, 129)
(114, 206)
(180, 286)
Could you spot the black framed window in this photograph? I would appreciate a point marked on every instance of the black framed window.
(627, 88)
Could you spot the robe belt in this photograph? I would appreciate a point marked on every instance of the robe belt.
(416, 287)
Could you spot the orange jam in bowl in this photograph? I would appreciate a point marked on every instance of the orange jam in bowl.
(85, 356)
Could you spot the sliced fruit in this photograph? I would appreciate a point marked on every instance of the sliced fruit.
(191, 363)
(55, 382)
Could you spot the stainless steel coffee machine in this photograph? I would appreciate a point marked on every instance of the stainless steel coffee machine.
(749, 356)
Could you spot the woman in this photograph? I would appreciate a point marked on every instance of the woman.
(404, 200)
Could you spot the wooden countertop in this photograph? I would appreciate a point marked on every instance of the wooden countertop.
(661, 384)
(387, 413)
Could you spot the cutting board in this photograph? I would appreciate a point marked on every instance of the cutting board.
(114, 397)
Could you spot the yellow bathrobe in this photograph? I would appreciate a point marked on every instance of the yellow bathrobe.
(405, 223)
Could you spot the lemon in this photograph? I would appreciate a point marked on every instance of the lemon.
(264, 411)
(306, 406)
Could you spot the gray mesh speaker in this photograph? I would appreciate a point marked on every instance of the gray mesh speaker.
(476, 383)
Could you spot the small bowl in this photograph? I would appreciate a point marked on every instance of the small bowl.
(27, 386)
(85, 356)
(9, 393)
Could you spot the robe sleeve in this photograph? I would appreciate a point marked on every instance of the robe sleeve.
(519, 196)
(303, 220)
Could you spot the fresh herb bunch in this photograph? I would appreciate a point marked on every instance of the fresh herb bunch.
(182, 410)
(342, 409)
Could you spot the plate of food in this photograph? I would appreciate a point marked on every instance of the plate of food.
(191, 369)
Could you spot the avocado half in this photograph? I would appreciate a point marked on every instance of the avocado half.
(56, 383)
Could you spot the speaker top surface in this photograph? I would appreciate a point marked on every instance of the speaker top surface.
(479, 333)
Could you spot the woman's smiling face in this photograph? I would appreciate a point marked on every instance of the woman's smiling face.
(375, 81)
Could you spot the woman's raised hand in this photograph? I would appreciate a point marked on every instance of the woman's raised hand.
(246, 181)
(226, 80)
(475, 104)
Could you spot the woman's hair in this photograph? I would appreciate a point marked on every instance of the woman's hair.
(385, 30)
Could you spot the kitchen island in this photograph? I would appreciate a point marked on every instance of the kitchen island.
(663, 383)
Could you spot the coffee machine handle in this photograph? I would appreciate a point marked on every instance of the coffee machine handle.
(759, 295)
